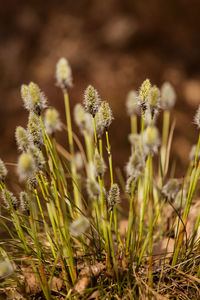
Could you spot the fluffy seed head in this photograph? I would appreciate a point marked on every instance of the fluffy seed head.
(147, 115)
(99, 164)
(93, 189)
(34, 100)
(37, 98)
(34, 130)
(144, 93)
(9, 198)
(25, 96)
(26, 166)
(6, 269)
(91, 100)
(3, 171)
(154, 100)
(79, 226)
(105, 114)
(171, 188)
(63, 73)
(197, 117)
(37, 157)
(22, 138)
(132, 103)
(99, 125)
(168, 96)
(79, 115)
(151, 139)
(129, 185)
(52, 120)
(113, 196)
(135, 139)
(136, 164)
(24, 202)
(83, 119)
(180, 199)
(154, 96)
(34, 92)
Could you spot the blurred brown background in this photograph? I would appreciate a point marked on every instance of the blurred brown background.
(114, 45)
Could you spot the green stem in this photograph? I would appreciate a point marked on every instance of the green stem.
(112, 247)
(88, 145)
(141, 225)
(197, 152)
(111, 181)
(69, 124)
(142, 129)
(130, 218)
(103, 211)
(101, 147)
(47, 143)
(195, 230)
(71, 147)
(109, 158)
(150, 171)
(104, 216)
(165, 134)
(39, 204)
(95, 131)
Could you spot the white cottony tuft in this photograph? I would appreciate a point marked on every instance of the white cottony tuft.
(79, 226)
(63, 73)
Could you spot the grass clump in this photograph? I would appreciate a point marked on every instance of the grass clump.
(65, 226)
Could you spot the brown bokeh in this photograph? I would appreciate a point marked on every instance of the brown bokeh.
(114, 45)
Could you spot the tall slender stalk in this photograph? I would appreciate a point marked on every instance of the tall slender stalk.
(89, 146)
(142, 129)
(104, 220)
(101, 147)
(111, 182)
(143, 207)
(95, 131)
(77, 199)
(130, 217)
(165, 134)
(109, 158)
(150, 175)
(197, 151)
